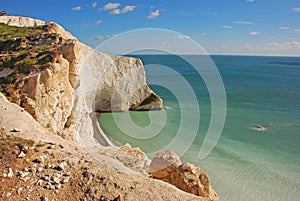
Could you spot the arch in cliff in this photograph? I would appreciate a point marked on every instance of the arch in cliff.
(108, 83)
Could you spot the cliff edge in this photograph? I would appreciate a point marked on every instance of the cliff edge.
(55, 84)
(52, 72)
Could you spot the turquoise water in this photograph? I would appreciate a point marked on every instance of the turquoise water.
(245, 164)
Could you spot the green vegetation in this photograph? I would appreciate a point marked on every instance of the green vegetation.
(20, 46)
(23, 51)
(11, 32)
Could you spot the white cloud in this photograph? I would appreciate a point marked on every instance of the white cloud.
(77, 8)
(114, 7)
(85, 25)
(182, 37)
(250, 1)
(243, 22)
(201, 34)
(276, 48)
(110, 6)
(94, 4)
(248, 46)
(227, 27)
(100, 37)
(154, 14)
(286, 45)
(112, 35)
(98, 23)
(128, 8)
(115, 12)
(254, 33)
(297, 10)
(275, 44)
(293, 44)
(297, 30)
(164, 43)
(284, 28)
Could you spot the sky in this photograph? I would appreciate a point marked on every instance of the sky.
(259, 27)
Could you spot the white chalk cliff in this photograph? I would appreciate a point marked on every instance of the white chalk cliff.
(79, 81)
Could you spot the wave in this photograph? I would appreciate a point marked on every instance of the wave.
(258, 127)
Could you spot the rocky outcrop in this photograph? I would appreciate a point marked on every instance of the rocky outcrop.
(39, 165)
(103, 82)
(167, 166)
(118, 82)
(21, 21)
(61, 84)
(132, 158)
(48, 95)
(123, 87)
(164, 163)
(76, 80)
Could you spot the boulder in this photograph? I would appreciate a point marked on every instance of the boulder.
(167, 166)
(3, 13)
(193, 180)
(132, 158)
(164, 164)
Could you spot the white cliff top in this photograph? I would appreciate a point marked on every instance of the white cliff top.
(20, 21)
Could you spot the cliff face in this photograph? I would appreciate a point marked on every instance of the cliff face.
(21, 21)
(61, 83)
(39, 165)
(52, 89)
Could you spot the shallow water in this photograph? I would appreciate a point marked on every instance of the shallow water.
(246, 164)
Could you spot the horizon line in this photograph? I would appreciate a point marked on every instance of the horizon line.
(218, 54)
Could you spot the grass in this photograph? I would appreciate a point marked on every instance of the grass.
(16, 43)
(21, 52)
(11, 32)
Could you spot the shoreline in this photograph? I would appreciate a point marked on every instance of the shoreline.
(99, 134)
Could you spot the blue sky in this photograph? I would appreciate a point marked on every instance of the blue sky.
(222, 27)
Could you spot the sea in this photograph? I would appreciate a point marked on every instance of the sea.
(256, 156)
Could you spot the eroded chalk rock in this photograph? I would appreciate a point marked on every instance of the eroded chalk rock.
(167, 166)
(123, 86)
(21, 21)
(79, 81)
(48, 95)
(133, 158)
(164, 164)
